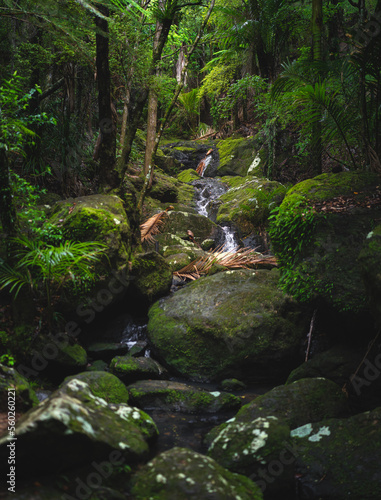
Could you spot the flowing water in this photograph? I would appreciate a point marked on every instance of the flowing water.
(207, 192)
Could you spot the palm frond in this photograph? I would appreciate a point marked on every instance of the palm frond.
(152, 226)
(244, 258)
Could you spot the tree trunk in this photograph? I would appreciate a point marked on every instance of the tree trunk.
(8, 216)
(142, 96)
(107, 147)
(152, 107)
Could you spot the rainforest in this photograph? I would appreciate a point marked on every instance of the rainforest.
(190, 249)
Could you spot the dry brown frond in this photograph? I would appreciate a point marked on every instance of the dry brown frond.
(244, 258)
(152, 226)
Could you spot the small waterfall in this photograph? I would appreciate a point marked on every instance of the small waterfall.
(203, 164)
(230, 243)
(207, 191)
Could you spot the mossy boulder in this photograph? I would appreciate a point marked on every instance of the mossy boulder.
(176, 396)
(231, 324)
(68, 430)
(129, 368)
(188, 175)
(180, 473)
(318, 234)
(303, 401)
(24, 395)
(178, 223)
(237, 156)
(97, 217)
(336, 364)
(188, 155)
(251, 447)
(339, 458)
(248, 203)
(58, 356)
(151, 277)
(370, 262)
(101, 384)
(164, 187)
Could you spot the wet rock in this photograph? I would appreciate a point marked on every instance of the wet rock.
(232, 384)
(232, 324)
(237, 156)
(370, 261)
(59, 356)
(248, 203)
(176, 396)
(179, 223)
(307, 400)
(181, 473)
(106, 350)
(24, 396)
(188, 175)
(255, 446)
(336, 364)
(73, 427)
(101, 384)
(339, 458)
(129, 369)
(151, 278)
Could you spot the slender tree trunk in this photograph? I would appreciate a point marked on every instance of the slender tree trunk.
(8, 216)
(142, 96)
(152, 107)
(107, 147)
(180, 85)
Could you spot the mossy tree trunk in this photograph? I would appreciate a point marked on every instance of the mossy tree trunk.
(107, 144)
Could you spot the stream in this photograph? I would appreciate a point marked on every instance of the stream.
(127, 334)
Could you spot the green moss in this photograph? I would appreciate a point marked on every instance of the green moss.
(103, 385)
(188, 175)
(313, 247)
(236, 156)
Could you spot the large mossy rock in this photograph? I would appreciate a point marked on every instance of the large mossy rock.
(73, 427)
(187, 155)
(151, 278)
(98, 217)
(336, 364)
(248, 202)
(307, 400)
(318, 234)
(25, 397)
(370, 264)
(101, 384)
(178, 223)
(339, 458)
(176, 396)
(181, 473)
(238, 156)
(254, 446)
(232, 324)
(58, 356)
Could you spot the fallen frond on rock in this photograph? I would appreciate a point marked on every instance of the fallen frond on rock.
(244, 258)
(152, 226)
